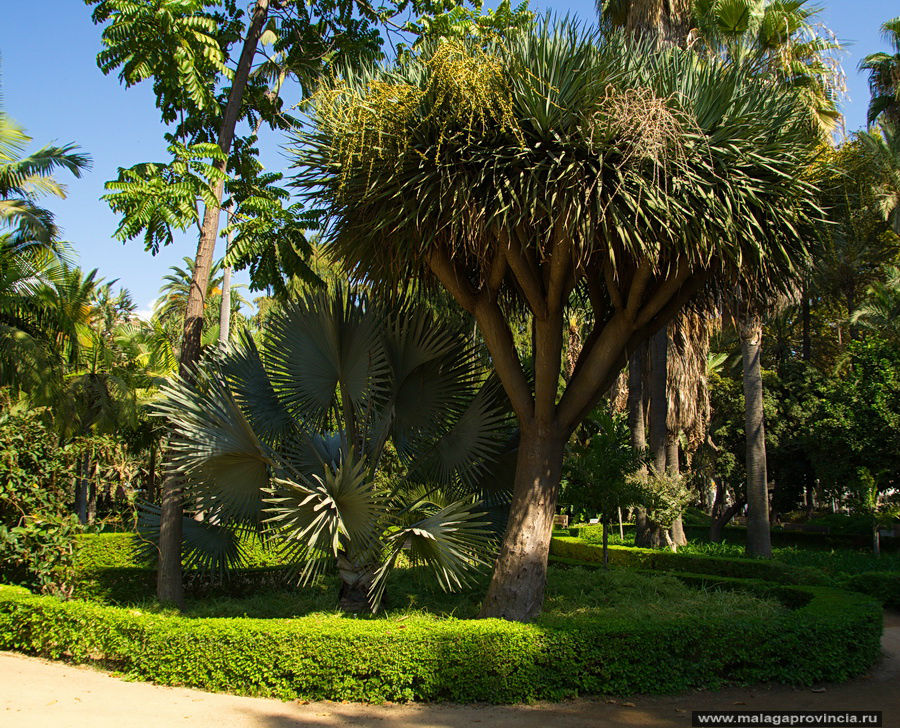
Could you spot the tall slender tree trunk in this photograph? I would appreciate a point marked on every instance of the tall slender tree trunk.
(659, 400)
(805, 322)
(659, 408)
(225, 306)
(169, 588)
(673, 466)
(759, 537)
(81, 490)
(517, 586)
(637, 423)
(152, 494)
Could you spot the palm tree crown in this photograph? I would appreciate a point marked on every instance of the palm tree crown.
(884, 76)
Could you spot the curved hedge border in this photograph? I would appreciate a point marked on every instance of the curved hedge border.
(832, 636)
(882, 585)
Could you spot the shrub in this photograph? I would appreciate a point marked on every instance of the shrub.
(36, 529)
(883, 585)
(833, 635)
(114, 568)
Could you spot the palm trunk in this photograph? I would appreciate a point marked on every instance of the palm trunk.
(659, 410)
(665, 21)
(673, 466)
(806, 345)
(659, 401)
(169, 588)
(759, 537)
(606, 525)
(637, 419)
(81, 490)
(356, 581)
(152, 494)
(516, 591)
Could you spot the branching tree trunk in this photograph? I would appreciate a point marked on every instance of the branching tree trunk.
(759, 537)
(169, 588)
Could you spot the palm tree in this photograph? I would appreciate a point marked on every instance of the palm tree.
(781, 42)
(881, 311)
(515, 174)
(24, 180)
(884, 77)
(884, 147)
(289, 440)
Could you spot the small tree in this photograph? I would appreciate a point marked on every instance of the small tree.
(289, 440)
(597, 473)
(665, 496)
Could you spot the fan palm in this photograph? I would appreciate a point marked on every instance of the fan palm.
(515, 173)
(289, 439)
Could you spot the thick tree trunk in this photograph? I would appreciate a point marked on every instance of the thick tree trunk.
(655, 536)
(665, 21)
(516, 591)
(759, 537)
(721, 520)
(169, 588)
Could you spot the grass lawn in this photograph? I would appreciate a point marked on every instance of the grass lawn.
(571, 592)
(833, 562)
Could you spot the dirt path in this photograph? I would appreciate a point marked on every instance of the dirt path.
(35, 693)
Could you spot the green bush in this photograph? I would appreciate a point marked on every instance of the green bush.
(657, 560)
(127, 550)
(834, 635)
(36, 527)
(883, 585)
(95, 551)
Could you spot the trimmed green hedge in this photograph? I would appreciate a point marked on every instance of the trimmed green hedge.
(780, 537)
(109, 568)
(658, 560)
(883, 585)
(121, 551)
(834, 635)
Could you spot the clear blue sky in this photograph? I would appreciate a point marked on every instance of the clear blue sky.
(51, 86)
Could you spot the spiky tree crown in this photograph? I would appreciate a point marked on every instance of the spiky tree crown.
(631, 156)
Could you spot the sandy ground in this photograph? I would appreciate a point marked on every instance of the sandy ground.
(35, 693)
